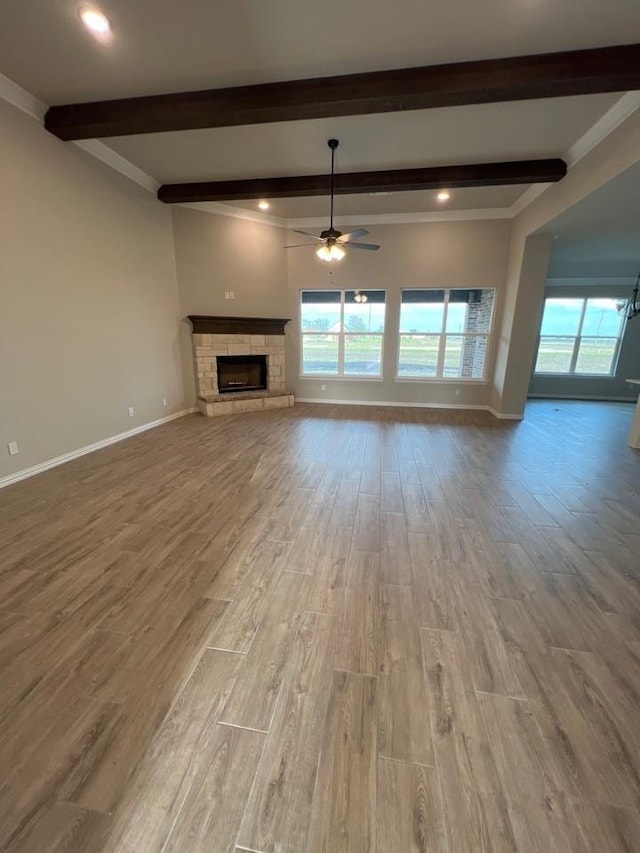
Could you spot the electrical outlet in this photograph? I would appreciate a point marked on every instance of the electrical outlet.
(457, 392)
(13, 448)
(164, 401)
(323, 387)
(130, 411)
(232, 294)
(226, 294)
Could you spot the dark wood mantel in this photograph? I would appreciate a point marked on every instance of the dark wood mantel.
(208, 325)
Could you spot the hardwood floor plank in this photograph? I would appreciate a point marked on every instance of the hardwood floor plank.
(329, 578)
(254, 696)
(395, 557)
(237, 629)
(392, 492)
(607, 715)
(541, 816)
(475, 810)
(345, 506)
(567, 615)
(276, 818)
(404, 730)
(432, 583)
(409, 813)
(61, 828)
(417, 512)
(99, 779)
(489, 661)
(177, 758)
(357, 632)
(212, 811)
(344, 802)
(366, 533)
(607, 828)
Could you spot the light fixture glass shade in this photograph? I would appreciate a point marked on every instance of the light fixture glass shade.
(330, 253)
(95, 21)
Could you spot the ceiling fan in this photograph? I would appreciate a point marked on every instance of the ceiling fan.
(333, 242)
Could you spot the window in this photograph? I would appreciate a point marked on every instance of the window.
(579, 337)
(342, 336)
(444, 334)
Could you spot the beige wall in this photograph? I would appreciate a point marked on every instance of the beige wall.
(215, 254)
(440, 254)
(88, 299)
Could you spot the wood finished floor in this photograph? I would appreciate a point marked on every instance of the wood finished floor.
(327, 629)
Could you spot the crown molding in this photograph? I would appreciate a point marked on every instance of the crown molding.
(18, 97)
(527, 197)
(118, 163)
(23, 100)
(624, 107)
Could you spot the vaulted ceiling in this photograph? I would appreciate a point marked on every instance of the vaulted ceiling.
(160, 46)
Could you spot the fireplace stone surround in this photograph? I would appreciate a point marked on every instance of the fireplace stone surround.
(222, 336)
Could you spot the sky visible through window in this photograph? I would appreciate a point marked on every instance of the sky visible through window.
(579, 337)
(562, 316)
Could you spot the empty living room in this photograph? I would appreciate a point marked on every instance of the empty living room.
(319, 427)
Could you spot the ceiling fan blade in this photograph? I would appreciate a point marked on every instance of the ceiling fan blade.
(307, 234)
(371, 247)
(353, 232)
(297, 245)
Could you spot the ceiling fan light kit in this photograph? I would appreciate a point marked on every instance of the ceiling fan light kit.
(332, 252)
(334, 242)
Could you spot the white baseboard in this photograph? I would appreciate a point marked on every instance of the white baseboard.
(89, 448)
(587, 397)
(505, 416)
(386, 403)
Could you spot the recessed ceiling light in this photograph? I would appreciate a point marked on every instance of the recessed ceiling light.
(263, 205)
(95, 21)
(443, 195)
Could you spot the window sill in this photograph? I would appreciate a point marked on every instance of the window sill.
(335, 378)
(575, 375)
(444, 380)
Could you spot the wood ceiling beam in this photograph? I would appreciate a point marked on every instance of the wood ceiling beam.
(547, 75)
(396, 180)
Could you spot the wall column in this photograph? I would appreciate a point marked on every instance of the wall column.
(520, 322)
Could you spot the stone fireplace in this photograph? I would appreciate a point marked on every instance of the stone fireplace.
(239, 364)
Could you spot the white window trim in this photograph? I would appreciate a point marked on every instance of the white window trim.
(578, 338)
(341, 375)
(442, 334)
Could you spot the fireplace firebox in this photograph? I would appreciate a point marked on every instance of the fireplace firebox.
(241, 373)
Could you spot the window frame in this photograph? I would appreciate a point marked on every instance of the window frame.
(443, 334)
(577, 341)
(341, 375)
